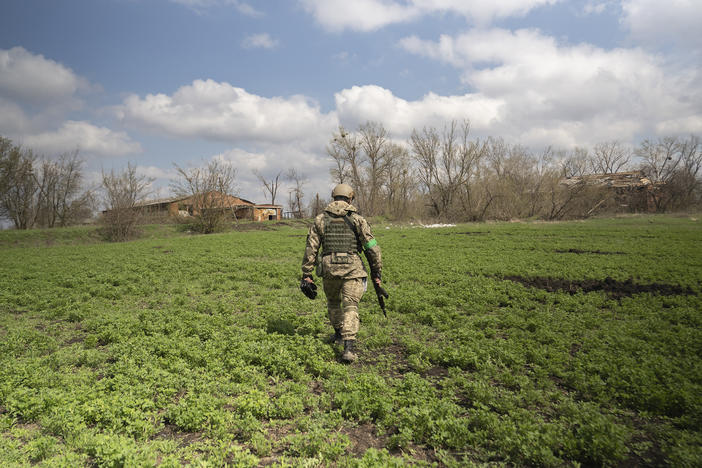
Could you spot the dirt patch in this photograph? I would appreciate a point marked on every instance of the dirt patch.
(184, 439)
(316, 387)
(581, 252)
(393, 353)
(615, 288)
(437, 372)
(75, 339)
(363, 437)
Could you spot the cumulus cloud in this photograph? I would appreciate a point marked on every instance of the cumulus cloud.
(359, 104)
(33, 79)
(673, 22)
(37, 94)
(369, 15)
(84, 136)
(259, 41)
(569, 94)
(219, 111)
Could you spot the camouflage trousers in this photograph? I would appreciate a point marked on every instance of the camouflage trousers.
(343, 296)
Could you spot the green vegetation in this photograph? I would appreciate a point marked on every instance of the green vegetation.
(510, 343)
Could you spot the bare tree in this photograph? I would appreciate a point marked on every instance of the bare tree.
(210, 190)
(18, 185)
(296, 194)
(269, 186)
(62, 198)
(317, 206)
(344, 150)
(575, 163)
(123, 193)
(374, 143)
(683, 186)
(609, 157)
(361, 159)
(446, 163)
(400, 183)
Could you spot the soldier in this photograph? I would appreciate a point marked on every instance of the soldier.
(342, 235)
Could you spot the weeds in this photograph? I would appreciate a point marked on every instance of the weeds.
(177, 350)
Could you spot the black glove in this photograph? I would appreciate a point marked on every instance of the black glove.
(308, 289)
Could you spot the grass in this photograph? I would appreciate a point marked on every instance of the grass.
(550, 344)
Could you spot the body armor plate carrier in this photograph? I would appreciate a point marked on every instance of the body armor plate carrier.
(339, 238)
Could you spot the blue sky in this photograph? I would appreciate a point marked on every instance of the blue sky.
(263, 84)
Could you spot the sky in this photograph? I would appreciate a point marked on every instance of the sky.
(264, 84)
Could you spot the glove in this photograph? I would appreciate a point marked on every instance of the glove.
(308, 289)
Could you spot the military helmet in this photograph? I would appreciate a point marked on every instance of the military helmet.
(343, 190)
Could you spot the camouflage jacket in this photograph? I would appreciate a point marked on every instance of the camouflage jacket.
(353, 269)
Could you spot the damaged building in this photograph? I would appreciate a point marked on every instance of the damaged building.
(630, 191)
(188, 206)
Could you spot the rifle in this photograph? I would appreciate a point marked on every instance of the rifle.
(382, 295)
(379, 291)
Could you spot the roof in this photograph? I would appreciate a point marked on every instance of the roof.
(615, 180)
(169, 200)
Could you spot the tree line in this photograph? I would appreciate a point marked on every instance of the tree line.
(439, 173)
(447, 174)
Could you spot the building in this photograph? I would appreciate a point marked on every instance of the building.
(189, 206)
(632, 190)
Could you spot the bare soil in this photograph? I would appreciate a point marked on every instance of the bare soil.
(615, 288)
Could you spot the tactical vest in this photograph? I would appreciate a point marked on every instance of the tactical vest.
(338, 236)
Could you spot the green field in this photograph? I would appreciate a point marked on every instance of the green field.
(544, 344)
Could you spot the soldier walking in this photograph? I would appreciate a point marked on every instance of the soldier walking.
(342, 235)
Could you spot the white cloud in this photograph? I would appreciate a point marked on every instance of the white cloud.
(369, 15)
(675, 22)
(84, 136)
(219, 111)
(199, 5)
(359, 104)
(259, 41)
(568, 94)
(30, 78)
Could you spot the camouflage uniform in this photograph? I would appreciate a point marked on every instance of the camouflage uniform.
(341, 268)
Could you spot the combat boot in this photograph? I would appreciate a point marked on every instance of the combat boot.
(336, 338)
(349, 354)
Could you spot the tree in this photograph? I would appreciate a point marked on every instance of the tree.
(446, 163)
(660, 162)
(609, 157)
(575, 163)
(269, 186)
(62, 198)
(123, 192)
(210, 189)
(682, 188)
(296, 194)
(18, 185)
(361, 160)
(317, 206)
(400, 184)
(374, 143)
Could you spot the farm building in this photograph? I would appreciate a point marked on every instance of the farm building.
(625, 189)
(188, 206)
